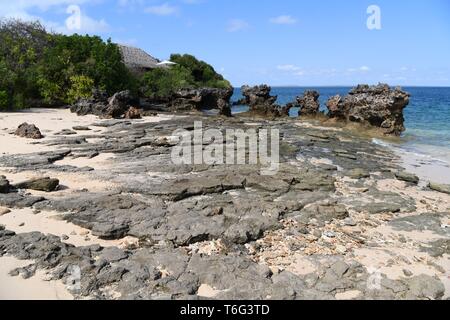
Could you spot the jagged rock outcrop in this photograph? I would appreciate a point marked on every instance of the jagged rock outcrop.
(260, 101)
(26, 130)
(99, 104)
(202, 99)
(120, 103)
(309, 103)
(96, 104)
(378, 106)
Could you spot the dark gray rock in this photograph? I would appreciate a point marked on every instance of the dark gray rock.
(15, 200)
(26, 130)
(407, 177)
(443, 188)
(202, 99)
(5, 187)
(40, 184)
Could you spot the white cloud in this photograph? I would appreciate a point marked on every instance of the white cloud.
(237, 25)
(364, 69)
(360, 69)
(288, 67)
(164, 9)
(284, 19)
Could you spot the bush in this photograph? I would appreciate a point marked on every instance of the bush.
(187, 73)
(43, 67)
(163, 82)
(81, 88)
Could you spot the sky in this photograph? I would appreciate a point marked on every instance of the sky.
(281, 43)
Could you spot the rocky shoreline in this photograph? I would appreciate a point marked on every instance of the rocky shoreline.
(340, 220)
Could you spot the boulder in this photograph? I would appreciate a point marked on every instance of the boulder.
(378, 106)
(40, 184)
(309, 103)
(119, 104)
(26, 130)
(260, 101)
(202, 99)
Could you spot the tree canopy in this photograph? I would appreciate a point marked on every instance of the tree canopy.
(39, 68)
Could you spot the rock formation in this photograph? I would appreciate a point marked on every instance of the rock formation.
(202, 99)
(378, 106)
(120, 103)
(26, 130)
(100, 105)
(260, 101)
(309, 103)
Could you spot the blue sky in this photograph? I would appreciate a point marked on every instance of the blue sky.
(284, 42)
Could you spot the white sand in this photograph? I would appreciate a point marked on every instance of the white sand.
(35, 288)
(49, 121)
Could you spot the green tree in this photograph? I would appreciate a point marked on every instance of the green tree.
(188, 72)
(81, 87)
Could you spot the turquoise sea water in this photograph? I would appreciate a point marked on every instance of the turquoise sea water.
(427, 118)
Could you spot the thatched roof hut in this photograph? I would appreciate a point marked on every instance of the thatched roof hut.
(137, 60)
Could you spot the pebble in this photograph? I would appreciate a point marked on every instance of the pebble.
(407, 273)
(349, 222)
(341, 249)
(22, 224)
(64, 237)
(317, 233)
(73, 233)
(329, 234)
(84, 233)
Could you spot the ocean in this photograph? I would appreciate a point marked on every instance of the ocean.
(427, 119)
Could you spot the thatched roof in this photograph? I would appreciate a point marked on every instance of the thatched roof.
(137, 59)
